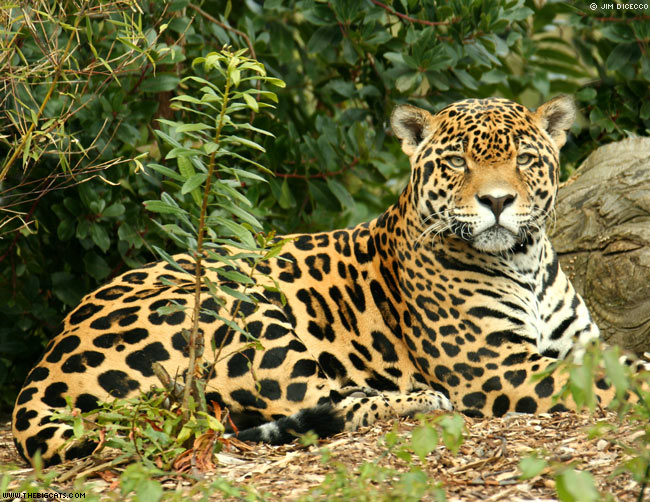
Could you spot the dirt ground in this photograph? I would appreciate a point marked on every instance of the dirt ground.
(485, 468)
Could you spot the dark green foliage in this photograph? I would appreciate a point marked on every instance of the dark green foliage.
(346, 64)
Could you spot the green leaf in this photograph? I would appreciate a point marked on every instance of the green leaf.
(397, 58)
(100, 237)
(160, 83)
(581, 386)
(616, 372)
(424, 440)
(96, 266)
(249, 127)
(199, 126)
(618, 32)
(65, 287)
(275, 81)
(576, 486)
(341, 193)
(170, 173)
(234, 275)
(240, 173)
(286, 199)
(234, 326)
(249, 161)
(113, 211)
(185, 167)
(406, 82)
(238, 295)
(325, 36)
(466, 79)
(619, 57)
(193, 182)
(27, 148)
(244, 215)
(560, 56)
(78, 427)
(149, 491)
(65, 229)
(531, 466)
(167, 138)
(243, 141)
(237, 230)
(251, 102)
(276, 249)
(169, 259)
(158, 206)
(586, 94)
(494, 76)
(480, 55)
(644, 113)
(225, 189)
(645, 68)
(187, 99)
(213, 423)
(183, 152)
(170, 309)
(452, 431)
(235, 76)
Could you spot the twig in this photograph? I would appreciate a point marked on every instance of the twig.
(214, 20)
(413, 19)
(15, 239)
(59, 70)
(321, 176)
(192, 342)
(143, 73)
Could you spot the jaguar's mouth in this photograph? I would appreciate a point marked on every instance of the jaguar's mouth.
(495, 239)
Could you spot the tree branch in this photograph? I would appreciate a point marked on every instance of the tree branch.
(413, 19)
(321, 176)
(214, 20)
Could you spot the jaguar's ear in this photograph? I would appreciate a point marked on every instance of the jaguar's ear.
(411, 125)
(556, 117)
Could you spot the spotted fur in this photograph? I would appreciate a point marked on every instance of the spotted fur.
(453, 297)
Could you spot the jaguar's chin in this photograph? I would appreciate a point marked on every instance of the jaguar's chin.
(495, 239)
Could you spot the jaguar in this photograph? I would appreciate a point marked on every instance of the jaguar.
(451, 299)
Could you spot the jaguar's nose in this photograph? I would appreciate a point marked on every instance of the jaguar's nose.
(496, 204)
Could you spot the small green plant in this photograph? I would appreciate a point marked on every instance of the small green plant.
(208, 211)
(632, 404)
(426, 437)
(371, 482)
(137, 483)
(212, 222)
(148, 429)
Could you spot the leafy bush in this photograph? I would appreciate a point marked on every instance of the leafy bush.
(632, 403)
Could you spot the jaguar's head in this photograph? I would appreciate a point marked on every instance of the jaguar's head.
(485, 170)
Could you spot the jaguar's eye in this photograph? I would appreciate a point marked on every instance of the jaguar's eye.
(524, 159)
(456, 161)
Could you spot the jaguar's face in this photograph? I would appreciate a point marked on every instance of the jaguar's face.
(484, 170)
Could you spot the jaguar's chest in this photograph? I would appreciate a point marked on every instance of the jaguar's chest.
(455, 291)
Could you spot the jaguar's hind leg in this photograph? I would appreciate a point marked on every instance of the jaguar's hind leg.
(362, 411)
(359, 408)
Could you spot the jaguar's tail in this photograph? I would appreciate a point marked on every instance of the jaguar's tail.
(324, 420)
